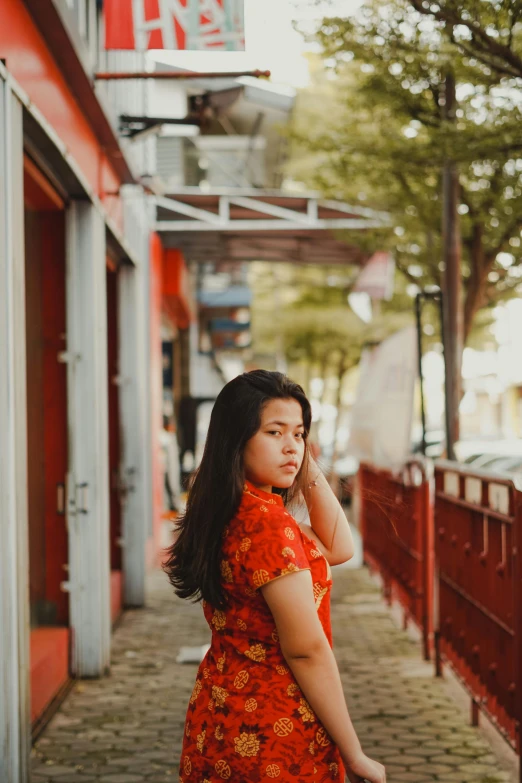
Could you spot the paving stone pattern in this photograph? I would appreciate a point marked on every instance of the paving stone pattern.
(127, 727)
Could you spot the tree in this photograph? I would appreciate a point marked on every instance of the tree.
(320, 334)
(371, 129)
(490, 32)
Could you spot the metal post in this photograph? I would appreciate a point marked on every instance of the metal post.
(88, 475)
(517, 640)
(15, 726)
(439, 299)
(438, 658)
(428, 557)
(418, 315)
(452, 283)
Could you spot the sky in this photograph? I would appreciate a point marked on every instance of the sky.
(271, 42)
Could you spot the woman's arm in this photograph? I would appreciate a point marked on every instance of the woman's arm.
(328, 521)
(310, 657)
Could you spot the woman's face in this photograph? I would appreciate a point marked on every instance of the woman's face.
(273, 456)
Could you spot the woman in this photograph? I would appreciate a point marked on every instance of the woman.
(268, 701)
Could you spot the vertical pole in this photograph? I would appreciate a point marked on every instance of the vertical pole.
(428, 557)
(15, 726)
(418, 314)
(452, 284)
(88, 474)
(517, 640)
(438, 659)
(136, 451)
(447, 420)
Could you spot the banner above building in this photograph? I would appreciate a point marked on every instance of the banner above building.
(175, 24)
(383, 409)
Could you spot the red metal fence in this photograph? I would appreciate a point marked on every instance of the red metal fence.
(397, 532)
(473, 595)
(478, 539)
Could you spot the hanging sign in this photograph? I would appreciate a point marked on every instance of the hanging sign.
(376, 278)
(175, 24)
(383, 409)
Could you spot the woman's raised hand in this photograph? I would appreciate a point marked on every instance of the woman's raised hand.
(365, 769)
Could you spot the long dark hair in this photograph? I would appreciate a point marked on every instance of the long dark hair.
(193, 563)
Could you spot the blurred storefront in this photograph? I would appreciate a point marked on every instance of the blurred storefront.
(75, 476)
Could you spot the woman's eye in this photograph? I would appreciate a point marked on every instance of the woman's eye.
(299, 435)
(274, 432)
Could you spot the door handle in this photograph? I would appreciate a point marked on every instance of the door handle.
(82, 498)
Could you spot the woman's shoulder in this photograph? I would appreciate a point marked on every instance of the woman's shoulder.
(264, 542)
(257, 522)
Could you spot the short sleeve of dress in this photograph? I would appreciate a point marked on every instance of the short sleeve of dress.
(272, 547)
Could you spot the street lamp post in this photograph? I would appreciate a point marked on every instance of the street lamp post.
(452, 307)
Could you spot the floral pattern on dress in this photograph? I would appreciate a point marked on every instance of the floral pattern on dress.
(247, 720)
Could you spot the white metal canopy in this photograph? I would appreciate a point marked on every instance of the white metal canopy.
(261, 225)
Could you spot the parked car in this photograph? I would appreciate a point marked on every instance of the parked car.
(468, 450)
(496, 456)
(435, 444)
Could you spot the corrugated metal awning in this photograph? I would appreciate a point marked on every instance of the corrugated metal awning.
(224, 225)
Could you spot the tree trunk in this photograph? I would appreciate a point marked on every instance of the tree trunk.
(480, 266)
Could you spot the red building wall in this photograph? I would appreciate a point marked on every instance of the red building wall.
(30, 61)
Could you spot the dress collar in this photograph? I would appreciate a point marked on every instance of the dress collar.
(268, 497)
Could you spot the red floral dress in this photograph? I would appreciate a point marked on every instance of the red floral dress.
(247, 720)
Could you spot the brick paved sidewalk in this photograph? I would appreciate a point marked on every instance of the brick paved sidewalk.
(127, 728)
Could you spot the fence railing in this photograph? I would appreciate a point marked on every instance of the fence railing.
(397, 532)
(451, 554)
(478, 540)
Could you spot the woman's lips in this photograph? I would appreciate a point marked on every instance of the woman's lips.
(290, 467)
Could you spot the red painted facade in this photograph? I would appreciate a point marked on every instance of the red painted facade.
(176, 291)
(154, 554)
(47, 437)
(29, 58)
(31, 63)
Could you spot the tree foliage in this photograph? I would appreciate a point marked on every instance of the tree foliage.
(371, 129)
(489, 31)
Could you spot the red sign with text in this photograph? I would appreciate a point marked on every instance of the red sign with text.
(174, 24)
